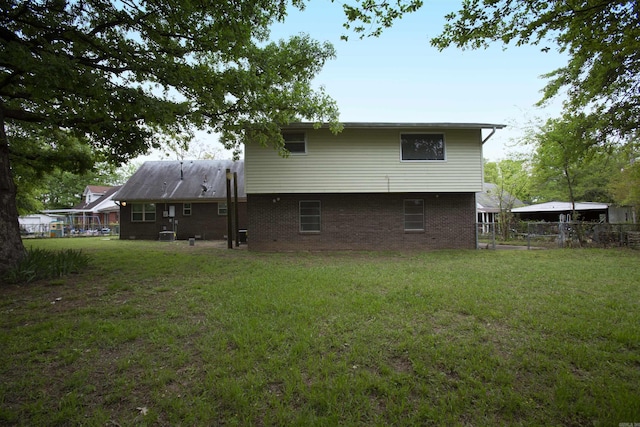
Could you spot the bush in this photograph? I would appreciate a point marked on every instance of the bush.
(47, 264)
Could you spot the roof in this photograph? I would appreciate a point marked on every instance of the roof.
(188, 180)
(561, 207)
(96, 189)
(489, 199)
(398, 125)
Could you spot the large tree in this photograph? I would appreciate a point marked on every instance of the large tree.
(601, 39)
(118, 77)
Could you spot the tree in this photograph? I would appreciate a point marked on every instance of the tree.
(512, 180)
(600, 37)
(113, 79)
(569, 163)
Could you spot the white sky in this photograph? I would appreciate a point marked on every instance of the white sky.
(399, 77)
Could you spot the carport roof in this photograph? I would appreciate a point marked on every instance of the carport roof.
(561, 207)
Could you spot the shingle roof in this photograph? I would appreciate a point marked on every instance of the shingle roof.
(189, 180)
(489, 199)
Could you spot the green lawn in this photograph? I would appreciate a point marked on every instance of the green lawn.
(170, 334)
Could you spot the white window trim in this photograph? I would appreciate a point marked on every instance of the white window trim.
(144, 212)
(404, 217)
(297, 153)
(300, 216)
(444, 141)
(225, 209)
(184, 213)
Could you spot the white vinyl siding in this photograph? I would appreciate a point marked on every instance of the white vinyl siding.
(365, 161)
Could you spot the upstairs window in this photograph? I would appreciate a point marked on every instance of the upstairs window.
(186, 209)
(310, 215)
(295, 142)
(222, 209)
(422, 146)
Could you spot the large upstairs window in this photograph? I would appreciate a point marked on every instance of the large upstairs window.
(418, 147)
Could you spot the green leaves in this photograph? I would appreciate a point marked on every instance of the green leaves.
(601, 39)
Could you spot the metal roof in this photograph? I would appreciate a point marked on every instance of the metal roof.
(188, 180)
(561, 207)
(399, 125)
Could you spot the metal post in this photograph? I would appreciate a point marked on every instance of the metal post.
(235, 208)
(229, 216)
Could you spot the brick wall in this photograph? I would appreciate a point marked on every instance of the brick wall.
(204, 221)
(361, 222)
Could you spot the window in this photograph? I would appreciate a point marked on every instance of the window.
(422, 146)
(143, 212)
(222, 208)
(186, 209)
(414, 215)
(310, 215)
(295, 142)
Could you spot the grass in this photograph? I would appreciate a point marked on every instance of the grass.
(169, 334)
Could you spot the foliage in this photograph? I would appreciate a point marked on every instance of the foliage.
(625, 185)
(171, 334)
(368, 18)
(513, 181)
(41, 264)
(568, 163)
(94, 80)
(600, 37)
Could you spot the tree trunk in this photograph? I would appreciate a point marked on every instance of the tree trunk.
(11, 246)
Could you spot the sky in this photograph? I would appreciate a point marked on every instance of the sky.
(400, 77)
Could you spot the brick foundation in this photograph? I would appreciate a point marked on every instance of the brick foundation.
(361, 222)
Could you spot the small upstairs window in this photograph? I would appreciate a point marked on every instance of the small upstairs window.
(295, 142)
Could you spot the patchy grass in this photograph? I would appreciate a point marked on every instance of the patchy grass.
(169, 334)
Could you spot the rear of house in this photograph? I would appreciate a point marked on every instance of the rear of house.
(373, 186)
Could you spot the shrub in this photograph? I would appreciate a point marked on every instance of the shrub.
(41, 264)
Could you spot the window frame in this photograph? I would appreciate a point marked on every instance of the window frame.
(295, 141)
(414, 221)
(148, 212)
(302, 224)
(187, 209)
(427, 160)
(222, 209)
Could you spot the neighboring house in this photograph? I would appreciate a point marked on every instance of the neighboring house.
(187, 197)
(373, 186)
(557, 211)
(490, 201)
(97, 211)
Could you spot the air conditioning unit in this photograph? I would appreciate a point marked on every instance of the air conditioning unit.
(167, 236)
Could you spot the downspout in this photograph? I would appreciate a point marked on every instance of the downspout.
(475, 198)
(489, 136)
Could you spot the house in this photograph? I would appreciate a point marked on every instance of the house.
(490, 202)
(97, 211)
(187, 199)
(373, 186)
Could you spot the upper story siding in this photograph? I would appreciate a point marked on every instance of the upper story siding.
(366, 160)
